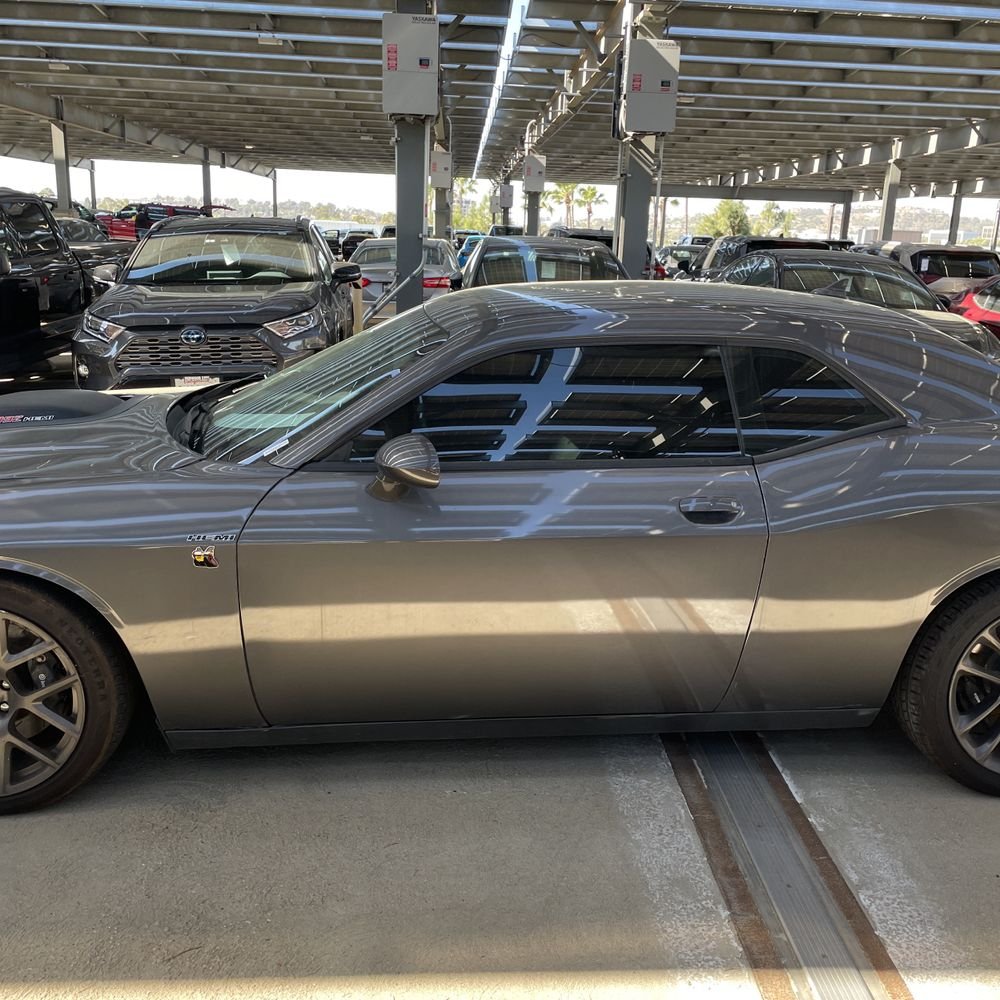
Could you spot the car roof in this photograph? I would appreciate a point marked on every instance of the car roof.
(546, 242)
(206, 224)
(936, 247)
(828, 257)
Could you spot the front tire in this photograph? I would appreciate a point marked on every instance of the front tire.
(947, 695)
(65, 698)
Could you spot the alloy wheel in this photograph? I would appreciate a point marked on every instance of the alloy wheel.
(974, 698)
(42, 705)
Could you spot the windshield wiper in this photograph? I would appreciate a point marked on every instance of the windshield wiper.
(198, 416)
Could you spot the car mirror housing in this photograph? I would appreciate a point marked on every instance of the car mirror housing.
(108, 273)
(456, 280)
(404, 462)
(833, 291)
(5, 267)
(346, 273)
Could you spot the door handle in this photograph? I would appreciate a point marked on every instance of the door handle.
(710, 510)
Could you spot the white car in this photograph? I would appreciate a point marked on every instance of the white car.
(946, 270)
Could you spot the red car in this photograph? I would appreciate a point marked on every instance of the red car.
(982, 305)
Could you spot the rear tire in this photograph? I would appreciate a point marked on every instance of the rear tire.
(947, 695)
(67, 698)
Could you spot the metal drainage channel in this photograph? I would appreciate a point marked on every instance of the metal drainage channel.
(802, 930)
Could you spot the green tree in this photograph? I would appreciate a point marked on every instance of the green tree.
(566, 195)
(729, 219)
(587, 198)
(773, 221)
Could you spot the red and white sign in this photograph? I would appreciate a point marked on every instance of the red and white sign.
(636, 82)
(392, 56)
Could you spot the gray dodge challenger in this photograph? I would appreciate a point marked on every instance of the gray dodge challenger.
(574, 508)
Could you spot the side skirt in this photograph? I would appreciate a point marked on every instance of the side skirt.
(467, 729)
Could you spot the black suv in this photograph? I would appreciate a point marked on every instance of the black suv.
(728, 249)
(43, 287)
(205, 300)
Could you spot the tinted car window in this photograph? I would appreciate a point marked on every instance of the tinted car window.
(501, 268)
(591, 404)
(786, 399)
(859, 283)
(79, 231)
(32, 226)
(956, 265)
(761, 272)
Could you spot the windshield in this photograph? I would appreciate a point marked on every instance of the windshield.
(226, 256)
(860, 284)
(957, 265)
(988, 297)
(292, 402)
(385, 253)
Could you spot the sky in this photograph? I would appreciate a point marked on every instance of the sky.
(133, 179)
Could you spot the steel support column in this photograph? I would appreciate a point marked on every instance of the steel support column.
(955, 222)
(635, 191)
(274, 192)
(890, 192)
(93, 187)
(411, 142)
(505, 212)
(845, 220)
(206, 182)
(60, 157)
(442, 212)
(532, 206)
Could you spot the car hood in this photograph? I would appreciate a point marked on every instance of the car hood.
(206, 305)
(60, 434)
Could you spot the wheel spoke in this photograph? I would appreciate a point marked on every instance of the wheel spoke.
(965, 667)
(52, 718)
(987, 638)
(970, 721)
(985, 750)
(65, 683)
(29, 748)
(11, 660)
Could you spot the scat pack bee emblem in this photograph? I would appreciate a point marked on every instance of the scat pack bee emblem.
(204, 557)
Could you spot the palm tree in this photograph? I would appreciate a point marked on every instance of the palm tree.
(566, 193)
(588, 197)
(464, 190)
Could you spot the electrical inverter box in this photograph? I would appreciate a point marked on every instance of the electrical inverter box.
(410, 45)
(649, 86)
(534, 172)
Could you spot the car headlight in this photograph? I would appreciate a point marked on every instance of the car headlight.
(102, 328)
(294, 325)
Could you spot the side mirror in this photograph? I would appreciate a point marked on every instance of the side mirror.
(405, 461)
(834, 291)
(683, 264)
(108, 273)
(456, 280)
(946, 300)
(346, 273)
(5, 267)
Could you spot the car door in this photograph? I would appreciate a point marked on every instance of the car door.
(334, 303)
(594, 548)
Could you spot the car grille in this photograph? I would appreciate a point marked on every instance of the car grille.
(218, 351)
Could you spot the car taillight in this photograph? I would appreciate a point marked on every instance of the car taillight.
(442, 282)
(365, 282)
(661, 271)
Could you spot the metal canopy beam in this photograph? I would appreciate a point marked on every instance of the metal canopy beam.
(826, 196)
(39, 106)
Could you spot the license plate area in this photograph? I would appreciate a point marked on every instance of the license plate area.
(194, 381)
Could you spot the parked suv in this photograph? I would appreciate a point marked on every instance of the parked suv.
(43, 286)
(727, 250)
(205, 300)
(946, 270)
(500, 260)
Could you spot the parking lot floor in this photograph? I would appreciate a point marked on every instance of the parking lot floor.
(920, 852)
(537, 868)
